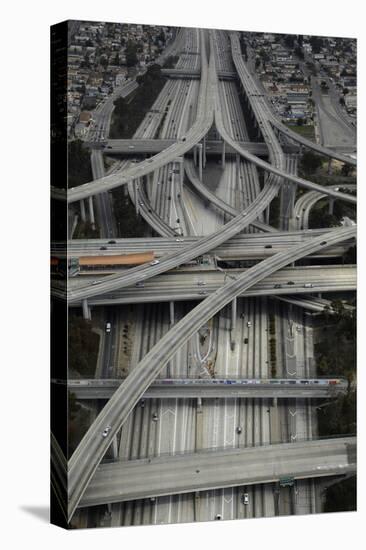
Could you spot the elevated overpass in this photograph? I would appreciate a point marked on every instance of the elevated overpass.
(216, 388)
(197, 284)
(195, 73)
(251, 246)
(147, 146)
(158, 476)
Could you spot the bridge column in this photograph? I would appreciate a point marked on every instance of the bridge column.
(86, 309)
(331, 206)
(82, 210)
(233, 323)
(91, 212)
(237, 169)
(171, 313)
(266, 214)
(114, 448)
(330, 167)
(181, 173)
(204, 151)
(135, 194)
(195, 155)
(200, 161)
(223, 155)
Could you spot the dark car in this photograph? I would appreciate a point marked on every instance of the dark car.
(103, 248)
(268, 246)
(323, 243)
(291, 283)
(111, 242)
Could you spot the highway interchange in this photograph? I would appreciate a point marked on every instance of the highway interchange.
(195, 215)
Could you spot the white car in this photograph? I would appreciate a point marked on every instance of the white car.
(106, 431)
(154, 262)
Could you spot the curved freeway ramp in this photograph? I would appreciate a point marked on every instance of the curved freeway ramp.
(215, 200)
(260, 109)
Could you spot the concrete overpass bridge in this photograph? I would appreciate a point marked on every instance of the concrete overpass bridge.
(196, 74)
(158, 476)
(211, 388)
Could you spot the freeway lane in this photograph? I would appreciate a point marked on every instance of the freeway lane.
(146, 271)
(249, 246)
(206, 193)
(196, 284)
(199, 129)
(93, 446)
(209, 389)
(262, 113)
(135, 479)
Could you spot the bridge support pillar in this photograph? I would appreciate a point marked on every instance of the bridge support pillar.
(200, 161)
(223, 155)
(237, 169)
(86, 309)
(181, 173)
(331, 206)
(171, 313)
(91, 212)
(267, 214)
(233, 323)
(329, 167)
(204, 151)
(114, 448)
(195, 155)
(82, 210)
(135, 184)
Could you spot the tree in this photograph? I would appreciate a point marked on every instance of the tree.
(316, 43)
(300, 121)
(310, 162)
(257, 62)
(79, 169)
(131, 57)
(289, 40)
(346, 170)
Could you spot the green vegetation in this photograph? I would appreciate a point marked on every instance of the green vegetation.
(79, 422)
(335, 355)
(131, 57)
(171, 62)
(341, 497)
(84, 230)
(127, 116)
(320, 217)
(310, 162)
(274, 212)
(339, 416)
(79, 167)
(83, 347)
(128, 223)
(304, 130)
